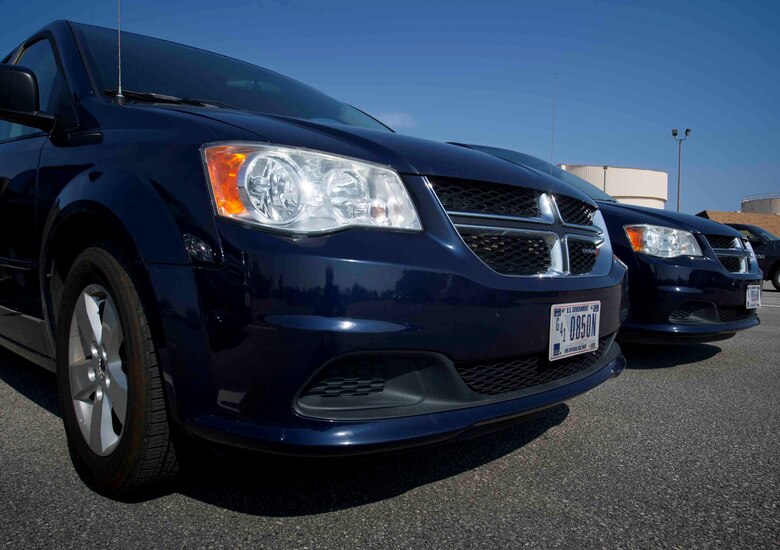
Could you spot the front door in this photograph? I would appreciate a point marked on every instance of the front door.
(20, 148)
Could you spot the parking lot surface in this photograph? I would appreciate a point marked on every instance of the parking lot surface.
(681, 451)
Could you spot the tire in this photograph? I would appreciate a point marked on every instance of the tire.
(776, 278)
(104, 351)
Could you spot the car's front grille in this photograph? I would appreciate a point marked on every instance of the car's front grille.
(720, 241)
(354, 378)
(733, 264)
(509, 253)
(477, 197)
(582, 256)
(510, 375)
(574, 211)
(730, 314)
(518, 231)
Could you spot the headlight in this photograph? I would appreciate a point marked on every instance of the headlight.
(664, 242)
(303, 191)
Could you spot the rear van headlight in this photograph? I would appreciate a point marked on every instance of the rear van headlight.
(663, 242)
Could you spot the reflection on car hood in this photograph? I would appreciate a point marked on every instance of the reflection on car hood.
(655, 216)
(408, 155)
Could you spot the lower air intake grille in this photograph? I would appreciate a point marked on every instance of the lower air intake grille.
(733, 264)
(487, 198)
(491, 378)
(719, 241)
(350, 379)
(509, 253)
(687, 310)
(732, 314)
(582, 256)
(574, 211)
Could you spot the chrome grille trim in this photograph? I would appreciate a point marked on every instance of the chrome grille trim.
(551, 227)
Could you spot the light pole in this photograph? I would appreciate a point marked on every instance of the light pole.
(604, 188)
(679, 141)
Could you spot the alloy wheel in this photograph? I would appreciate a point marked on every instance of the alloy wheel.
(98, 379)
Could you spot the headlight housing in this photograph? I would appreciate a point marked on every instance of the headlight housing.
(663, 242)
(298, 191)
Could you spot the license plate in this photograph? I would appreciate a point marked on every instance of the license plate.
(753, 298)
(574, 329)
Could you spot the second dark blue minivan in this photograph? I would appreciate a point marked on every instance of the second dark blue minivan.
(689, 278)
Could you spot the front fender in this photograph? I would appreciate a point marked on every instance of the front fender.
(116, 204)
(126, 201)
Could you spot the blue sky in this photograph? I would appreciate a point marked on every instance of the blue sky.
(483, 72)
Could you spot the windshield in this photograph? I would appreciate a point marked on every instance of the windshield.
(767, 236)
(527, 160)
(161, 67)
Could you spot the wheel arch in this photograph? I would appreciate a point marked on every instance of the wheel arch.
(91, 224)
(111, 205)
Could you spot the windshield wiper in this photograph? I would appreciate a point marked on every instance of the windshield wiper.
(153, 97)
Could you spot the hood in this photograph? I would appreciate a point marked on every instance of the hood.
(408, 155)
(631, 214)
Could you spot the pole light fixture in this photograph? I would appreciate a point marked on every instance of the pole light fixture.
(679, 141)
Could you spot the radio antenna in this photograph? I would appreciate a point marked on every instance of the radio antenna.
(119, 97)
(552, 138)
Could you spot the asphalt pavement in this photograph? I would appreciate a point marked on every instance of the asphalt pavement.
(681, 451)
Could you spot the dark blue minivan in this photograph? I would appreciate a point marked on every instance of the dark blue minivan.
(689, 278)
(220, 252)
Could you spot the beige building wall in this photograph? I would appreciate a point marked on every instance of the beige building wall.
(766, 204)
(628, 185)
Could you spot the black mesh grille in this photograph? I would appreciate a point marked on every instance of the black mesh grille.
(582, 256)
(487, 198)
(509, 253)
(732, 264)
(509, 375)
(731, 314)
(679, 315)
(719, 241)
(353, 378)
(684, 312)
(574, 211)
(692, 313)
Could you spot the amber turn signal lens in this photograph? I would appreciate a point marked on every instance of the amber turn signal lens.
(223, 165)
(635, 235)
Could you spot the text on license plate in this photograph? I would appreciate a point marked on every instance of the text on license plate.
(574, 329)
(753, 298)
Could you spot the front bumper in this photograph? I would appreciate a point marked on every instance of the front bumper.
(692, 299)
(245, 339)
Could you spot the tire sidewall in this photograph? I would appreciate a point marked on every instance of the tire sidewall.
(99, 266)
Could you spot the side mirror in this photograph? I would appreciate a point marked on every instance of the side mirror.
(19, 101)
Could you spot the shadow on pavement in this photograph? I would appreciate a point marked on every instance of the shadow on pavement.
(34, 382)
(641, 356)
(279, 487)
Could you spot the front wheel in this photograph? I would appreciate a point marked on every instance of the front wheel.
(776, 278)
(108, 379)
